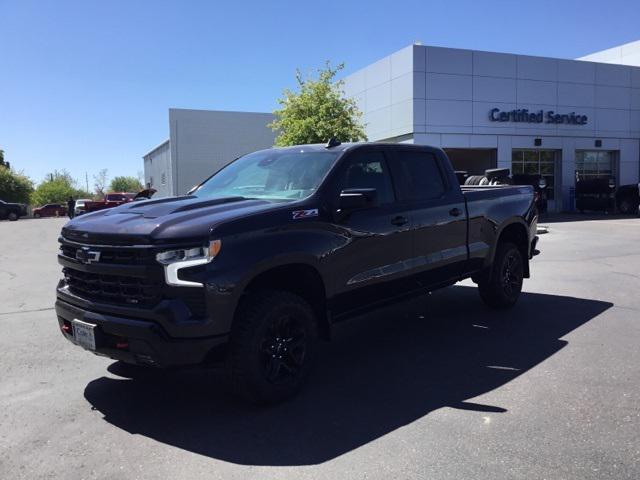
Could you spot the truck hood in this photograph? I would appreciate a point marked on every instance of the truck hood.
(166, 220)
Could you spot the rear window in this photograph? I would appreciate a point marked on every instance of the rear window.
(420, 176)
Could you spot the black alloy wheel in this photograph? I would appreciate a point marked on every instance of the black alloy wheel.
(502, 288)
(512, 273)
(283, 349)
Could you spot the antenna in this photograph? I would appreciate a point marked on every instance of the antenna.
(333, 142)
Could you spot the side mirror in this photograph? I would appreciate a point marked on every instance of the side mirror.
(358, 198)
(542, 183)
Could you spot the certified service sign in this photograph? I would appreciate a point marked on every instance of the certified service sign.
(541, 116)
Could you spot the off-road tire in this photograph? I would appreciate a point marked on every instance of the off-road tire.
(625, 206)
(505, 284)
(255, 353)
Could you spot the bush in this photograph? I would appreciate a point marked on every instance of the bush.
(14, 187)
(57, 188)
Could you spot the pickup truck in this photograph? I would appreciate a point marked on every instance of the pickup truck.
(12, 211)
(266, 255)
(110, 200)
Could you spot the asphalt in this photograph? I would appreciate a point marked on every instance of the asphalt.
(437, 388)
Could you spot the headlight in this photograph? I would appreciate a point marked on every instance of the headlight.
(175, 260)
(207, 253)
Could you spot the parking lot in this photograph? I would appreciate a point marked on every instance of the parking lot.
(437, 388)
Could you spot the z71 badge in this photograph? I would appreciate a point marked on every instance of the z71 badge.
(298, 214)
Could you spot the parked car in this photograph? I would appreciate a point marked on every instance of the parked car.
(50, 210)
(270, 252)
(627, 199)
(110, 200)
(80, 205)
(12, 211)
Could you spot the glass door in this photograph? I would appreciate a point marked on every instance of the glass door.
(595, 164)
(542, 163)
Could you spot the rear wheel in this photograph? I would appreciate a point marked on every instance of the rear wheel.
(507, 274)
(273, 344)
(13, 216)
(36, 215)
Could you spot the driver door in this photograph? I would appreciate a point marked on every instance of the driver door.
(372, 263)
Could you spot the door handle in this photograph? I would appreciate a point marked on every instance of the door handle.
(454, 212)
(399, 220)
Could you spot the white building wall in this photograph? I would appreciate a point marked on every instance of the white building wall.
(203, 141)
(627, 54)
(157, 170)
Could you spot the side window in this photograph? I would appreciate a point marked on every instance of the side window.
(420, 176)
(368, 169)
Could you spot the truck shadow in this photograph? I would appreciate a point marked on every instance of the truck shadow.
(381, 372)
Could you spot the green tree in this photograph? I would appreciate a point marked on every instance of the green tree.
(318, 111)
(57, 188)
(14, 186)
(125, 184)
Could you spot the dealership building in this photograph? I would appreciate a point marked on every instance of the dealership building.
(554, 117)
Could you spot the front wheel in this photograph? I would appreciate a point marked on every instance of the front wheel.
(504, 287)
(273, 345)
(36, 215)
(625, 207)
(13, 216)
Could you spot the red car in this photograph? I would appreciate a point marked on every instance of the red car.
(50, 210)
(111, 200)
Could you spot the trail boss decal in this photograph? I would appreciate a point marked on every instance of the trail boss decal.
(298, 214)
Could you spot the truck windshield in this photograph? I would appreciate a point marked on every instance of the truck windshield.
(270, 175)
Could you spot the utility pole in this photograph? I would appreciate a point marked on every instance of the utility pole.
(86, 179)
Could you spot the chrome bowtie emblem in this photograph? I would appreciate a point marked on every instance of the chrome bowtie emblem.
(86, 256)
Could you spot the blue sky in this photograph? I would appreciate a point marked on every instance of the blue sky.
(86, 85)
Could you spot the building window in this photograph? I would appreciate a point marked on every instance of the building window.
(595, 164)
(536, 162)
(150, 181)
(163, 179)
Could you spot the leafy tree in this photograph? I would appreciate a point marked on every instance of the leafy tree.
(57, 188)
(317, 112)
(100, 182)
(14, 186)
(125, 184)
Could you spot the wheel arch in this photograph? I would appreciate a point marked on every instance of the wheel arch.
(514, 231)
(299, 278)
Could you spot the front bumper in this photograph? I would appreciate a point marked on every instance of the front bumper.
(138, 341)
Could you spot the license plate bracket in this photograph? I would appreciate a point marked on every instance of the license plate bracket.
(84, 334)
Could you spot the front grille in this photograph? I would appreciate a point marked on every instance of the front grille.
(114, 289)
(115, 256)
(125, 290)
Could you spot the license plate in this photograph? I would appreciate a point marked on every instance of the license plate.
(83, 334)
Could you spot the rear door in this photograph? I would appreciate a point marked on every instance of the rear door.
(371, 265)
(437, 211)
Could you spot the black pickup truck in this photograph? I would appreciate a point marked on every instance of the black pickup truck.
(12, 211)
(266, 255)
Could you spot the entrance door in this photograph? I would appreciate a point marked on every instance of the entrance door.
(540, 162)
